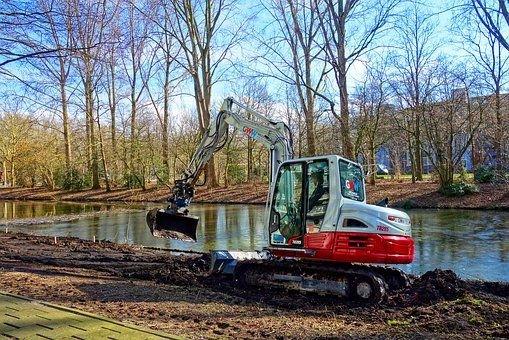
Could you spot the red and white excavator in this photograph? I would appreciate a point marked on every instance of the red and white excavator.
(323, 236)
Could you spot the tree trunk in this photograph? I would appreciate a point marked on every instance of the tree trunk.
(166, 118)
(397, 167)
(65, 120)
(412, 159)
(418, 149)
(132, 136)
(13, 175)
(113, 112)
(88, 148)
(310, 132)
(371, 163)
(249, 159)
(103, 156)
(346, 139)
(497, 142)
(211, 174)
(4, 173)
(89, 104)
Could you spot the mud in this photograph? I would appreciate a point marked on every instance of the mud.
(173, 292)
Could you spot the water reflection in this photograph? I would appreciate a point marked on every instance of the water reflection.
(31, 209)
(472, 243)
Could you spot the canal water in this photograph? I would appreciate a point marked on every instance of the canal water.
(473, 243)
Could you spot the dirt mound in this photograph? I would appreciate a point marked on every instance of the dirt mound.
(180, 270)
(438, 285)
(431, 287)
(493, 288)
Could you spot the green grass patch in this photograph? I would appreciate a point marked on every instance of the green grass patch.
(397, 323)
(469, 300)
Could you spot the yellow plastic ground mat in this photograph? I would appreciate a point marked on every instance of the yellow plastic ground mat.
(24, 318)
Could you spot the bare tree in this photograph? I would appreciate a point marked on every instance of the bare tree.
(492, 62)
(414, 66)
(452, 119)
(30, 30)
(135, 31)
(349, 29)
(60, 38)
(292, 53)
(201, 33)
(88, 22)
(167, 74)
(112, 83)
(372, 101)
(493, 15)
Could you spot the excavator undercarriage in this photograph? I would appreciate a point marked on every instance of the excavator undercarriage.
(359, 282)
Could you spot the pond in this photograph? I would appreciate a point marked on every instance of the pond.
(473, 243)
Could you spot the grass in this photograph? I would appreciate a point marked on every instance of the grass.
(397, 323)
(471, 301)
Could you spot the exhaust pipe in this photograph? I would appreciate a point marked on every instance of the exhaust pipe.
(172, 225)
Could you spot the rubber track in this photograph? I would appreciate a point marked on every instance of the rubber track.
(393, 278)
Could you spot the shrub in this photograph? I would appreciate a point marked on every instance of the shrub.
(484, 174)
(459, 189)
(463, 174)
(132, 181)
(408, 204)
(72, 179)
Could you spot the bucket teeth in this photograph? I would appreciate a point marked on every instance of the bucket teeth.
(165, 224)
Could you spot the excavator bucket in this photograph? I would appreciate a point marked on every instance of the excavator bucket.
(165, 224)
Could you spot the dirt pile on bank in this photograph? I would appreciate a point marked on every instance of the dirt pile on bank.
(121, 260)
(432, 286)
(180, 270)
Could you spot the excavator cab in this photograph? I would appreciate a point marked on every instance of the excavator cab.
(300, 200)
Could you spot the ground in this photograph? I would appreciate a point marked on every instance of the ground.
(407, 194)
(175, 294)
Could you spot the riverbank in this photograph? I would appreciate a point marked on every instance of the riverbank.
(405, 194)
(171, 293)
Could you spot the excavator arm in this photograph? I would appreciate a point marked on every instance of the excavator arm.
(175, 221)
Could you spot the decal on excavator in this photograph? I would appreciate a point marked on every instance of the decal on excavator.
(250, 132)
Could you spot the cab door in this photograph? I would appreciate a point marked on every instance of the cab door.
(286, 226)
(299, 203)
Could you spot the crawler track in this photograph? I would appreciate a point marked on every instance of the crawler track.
(368, 284)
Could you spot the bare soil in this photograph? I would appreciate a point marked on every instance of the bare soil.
(415, 195)
(174, 293)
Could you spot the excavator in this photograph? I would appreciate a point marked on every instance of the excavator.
(322, 235)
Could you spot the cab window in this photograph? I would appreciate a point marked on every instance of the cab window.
(318, 194)
(352, 181)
